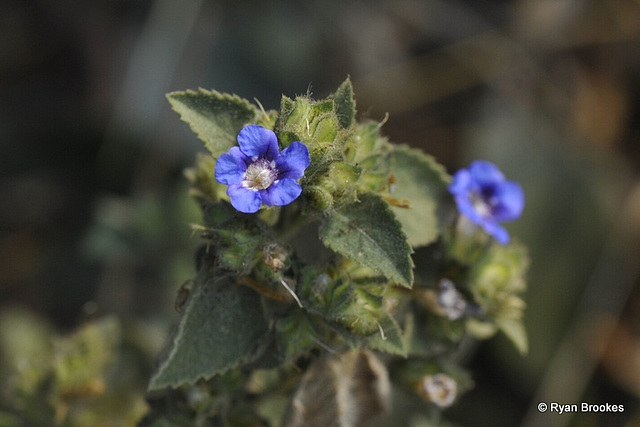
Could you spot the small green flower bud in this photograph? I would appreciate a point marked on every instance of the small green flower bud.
(499, 274)
(325, 128)
(339, 181)
(299, 114)
(361, 315)
(496, 281)
(320, 198)
(367, 140)
(349, 151)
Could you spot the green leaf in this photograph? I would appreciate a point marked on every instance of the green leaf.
(345, 104)
(219, 330)
(84, 357)
(237, 237)
(423, 182)
(368, 233)
(316, 124)
(295, 336)
(390, 339)
(25, 353)
(515, 331)
(215, 117)
(201, 179)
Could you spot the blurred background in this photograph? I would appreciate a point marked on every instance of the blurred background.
(94, 217)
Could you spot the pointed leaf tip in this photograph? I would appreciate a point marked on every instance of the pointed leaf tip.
(215, 117)
(345, 104)
(219, 330)
(367, 232)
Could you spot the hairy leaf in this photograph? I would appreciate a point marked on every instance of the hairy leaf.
(295, 335)
(237, 238)
(367, 232)
(215, 117)
(219, 330)
(419, 179)
(345, 104)
(390, 339)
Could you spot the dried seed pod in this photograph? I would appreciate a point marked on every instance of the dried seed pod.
(347, 390)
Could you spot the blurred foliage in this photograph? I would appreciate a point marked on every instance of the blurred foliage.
(85, 378)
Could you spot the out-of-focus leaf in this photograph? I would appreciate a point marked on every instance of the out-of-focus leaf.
(81, 360)
(420, 180)
(25, 352)
(515, 331)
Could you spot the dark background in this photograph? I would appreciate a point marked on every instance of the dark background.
(93, 212)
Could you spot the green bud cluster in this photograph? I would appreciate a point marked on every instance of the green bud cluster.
(497, 282)
(326, 128)
(340, 302)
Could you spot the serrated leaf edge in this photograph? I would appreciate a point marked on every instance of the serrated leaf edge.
(406, 282)
(173, 101)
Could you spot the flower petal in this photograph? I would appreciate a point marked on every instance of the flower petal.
(466, 208)
(243, 199)
(485, 173)
(486, 198)
(230, 167)
(281, 192)
(461, 183)
(510, 201)
(293, 161)
(256, 141)
(496, 230)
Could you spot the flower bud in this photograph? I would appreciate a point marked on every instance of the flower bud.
(320, 198)
(339, 181)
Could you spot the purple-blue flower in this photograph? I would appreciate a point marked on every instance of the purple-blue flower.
(485, 197)
(257, 173)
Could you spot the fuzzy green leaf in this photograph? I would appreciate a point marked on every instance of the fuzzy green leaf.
(368, 233)
(215, 117)
(345, 104)
(423, 182)
(237, 238)
(295, 336)
(219, 330)
(390, 339)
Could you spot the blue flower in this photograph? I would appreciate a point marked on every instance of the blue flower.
(257, 173)
(485, 197)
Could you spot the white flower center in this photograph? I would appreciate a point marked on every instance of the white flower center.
(441, 389)
(260, 175)
(450, 300)
(481, 205)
